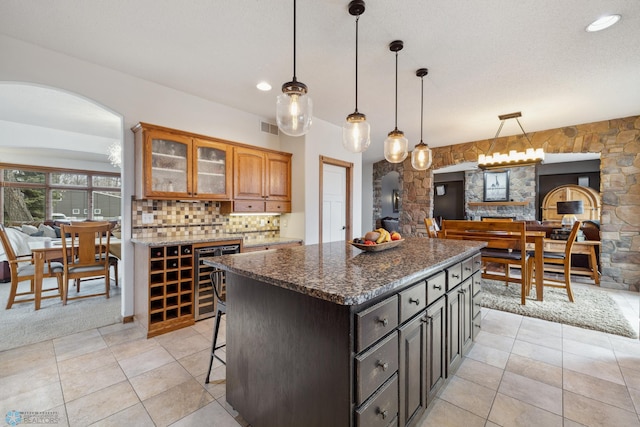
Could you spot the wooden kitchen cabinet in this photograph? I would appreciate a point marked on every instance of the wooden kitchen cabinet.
(177, 165)
(166, 303)
(261, 182)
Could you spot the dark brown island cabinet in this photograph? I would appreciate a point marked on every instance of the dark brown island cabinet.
(327, 335)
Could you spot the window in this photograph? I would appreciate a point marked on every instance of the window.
(37, 194)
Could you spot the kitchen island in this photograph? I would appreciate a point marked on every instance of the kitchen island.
(327, 335)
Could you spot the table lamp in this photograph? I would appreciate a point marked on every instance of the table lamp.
(569, 209)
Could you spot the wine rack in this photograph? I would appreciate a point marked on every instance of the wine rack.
(170, 288)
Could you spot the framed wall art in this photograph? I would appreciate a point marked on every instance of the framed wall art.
(496, 186)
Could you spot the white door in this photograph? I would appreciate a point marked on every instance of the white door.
(334, 207)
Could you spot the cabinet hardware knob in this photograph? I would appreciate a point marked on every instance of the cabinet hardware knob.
(384, 321)
(477, 326)
(426, 319)
(461, 291)
(467, 268)
(383, 365)
(438, 287)
(414, 300)
(457, 276)
(250, 206)
(382, 413)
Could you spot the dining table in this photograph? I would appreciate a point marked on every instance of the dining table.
(44, 251)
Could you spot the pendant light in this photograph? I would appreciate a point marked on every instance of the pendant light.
(356, 131)
(294, 106)
(421, 156)
(396, 145)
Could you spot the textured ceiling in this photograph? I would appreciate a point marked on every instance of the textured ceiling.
(485, 58)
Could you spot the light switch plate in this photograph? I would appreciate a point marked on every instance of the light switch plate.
(147, 218)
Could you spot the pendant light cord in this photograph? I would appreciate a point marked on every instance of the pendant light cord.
(357, 19)
(396, 125)
(294, 40)
(421, 104)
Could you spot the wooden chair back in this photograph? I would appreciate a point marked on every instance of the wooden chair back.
(506, 245)
(6, 243)
(432, 227)
(22, 269)
(85, 253)
(485, 219)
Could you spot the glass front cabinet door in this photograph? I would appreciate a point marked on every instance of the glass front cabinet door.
(180, 166)
(212, 170)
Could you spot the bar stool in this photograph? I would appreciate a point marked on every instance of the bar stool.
(219, 288)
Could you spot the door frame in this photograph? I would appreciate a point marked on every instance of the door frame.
(348, 193)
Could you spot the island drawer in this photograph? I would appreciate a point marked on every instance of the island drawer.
(477, 283)
(381, 408)
(376, 322)
(375, 366)
(412, 301)
(454, 276)
(436, 287)
(467, 268)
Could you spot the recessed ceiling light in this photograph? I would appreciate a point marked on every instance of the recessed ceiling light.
(263, 86)
(603, 23)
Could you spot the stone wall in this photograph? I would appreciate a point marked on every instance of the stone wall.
(618, 142)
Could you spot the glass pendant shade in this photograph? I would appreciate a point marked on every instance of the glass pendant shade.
(356, 133)
(421, 157)
(396, 147)
(294, 110)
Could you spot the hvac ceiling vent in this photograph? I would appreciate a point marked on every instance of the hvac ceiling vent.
(269, 128)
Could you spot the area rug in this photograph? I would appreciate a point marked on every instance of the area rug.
(22, 324)
(592, 309)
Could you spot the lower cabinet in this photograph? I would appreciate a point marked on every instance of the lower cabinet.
(409, 344)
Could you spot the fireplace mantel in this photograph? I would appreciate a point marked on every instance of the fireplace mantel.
(477, 204)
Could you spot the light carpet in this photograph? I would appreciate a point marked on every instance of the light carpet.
(22, 324)
(592, 309)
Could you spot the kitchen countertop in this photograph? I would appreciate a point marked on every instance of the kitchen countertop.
(212, 238)
(343, 274)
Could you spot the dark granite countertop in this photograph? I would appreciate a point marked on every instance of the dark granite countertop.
(343, 274)
(206, 238)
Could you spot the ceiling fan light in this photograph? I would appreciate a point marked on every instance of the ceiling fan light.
(421, 157)
(396, 147)
(356, 133)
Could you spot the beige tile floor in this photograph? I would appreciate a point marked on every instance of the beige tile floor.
(520, 372)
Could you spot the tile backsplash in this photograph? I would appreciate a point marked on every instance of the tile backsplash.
(173, 218)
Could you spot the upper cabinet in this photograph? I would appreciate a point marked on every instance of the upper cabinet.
(175, 165)
(261, 181)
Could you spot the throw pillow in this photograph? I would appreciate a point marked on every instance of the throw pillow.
(47, 231)
(29, 229)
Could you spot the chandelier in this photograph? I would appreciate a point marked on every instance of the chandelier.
(530, 156)
(114, 152)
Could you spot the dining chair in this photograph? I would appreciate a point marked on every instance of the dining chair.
(432, 227)
(85, 254)
(558, 258)
(26, 271)
(220, 290)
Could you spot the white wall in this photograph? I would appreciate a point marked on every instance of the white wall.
(139, 100)
(326, 140)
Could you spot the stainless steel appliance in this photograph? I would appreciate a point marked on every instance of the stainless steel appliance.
(205, 298)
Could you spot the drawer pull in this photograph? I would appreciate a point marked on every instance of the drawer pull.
(383, 365)
(455, 276)
(477, 326)
(414, 300)
(384, 321)
(467, 268)
(438, 287)
(426, 319)
(382, 413)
